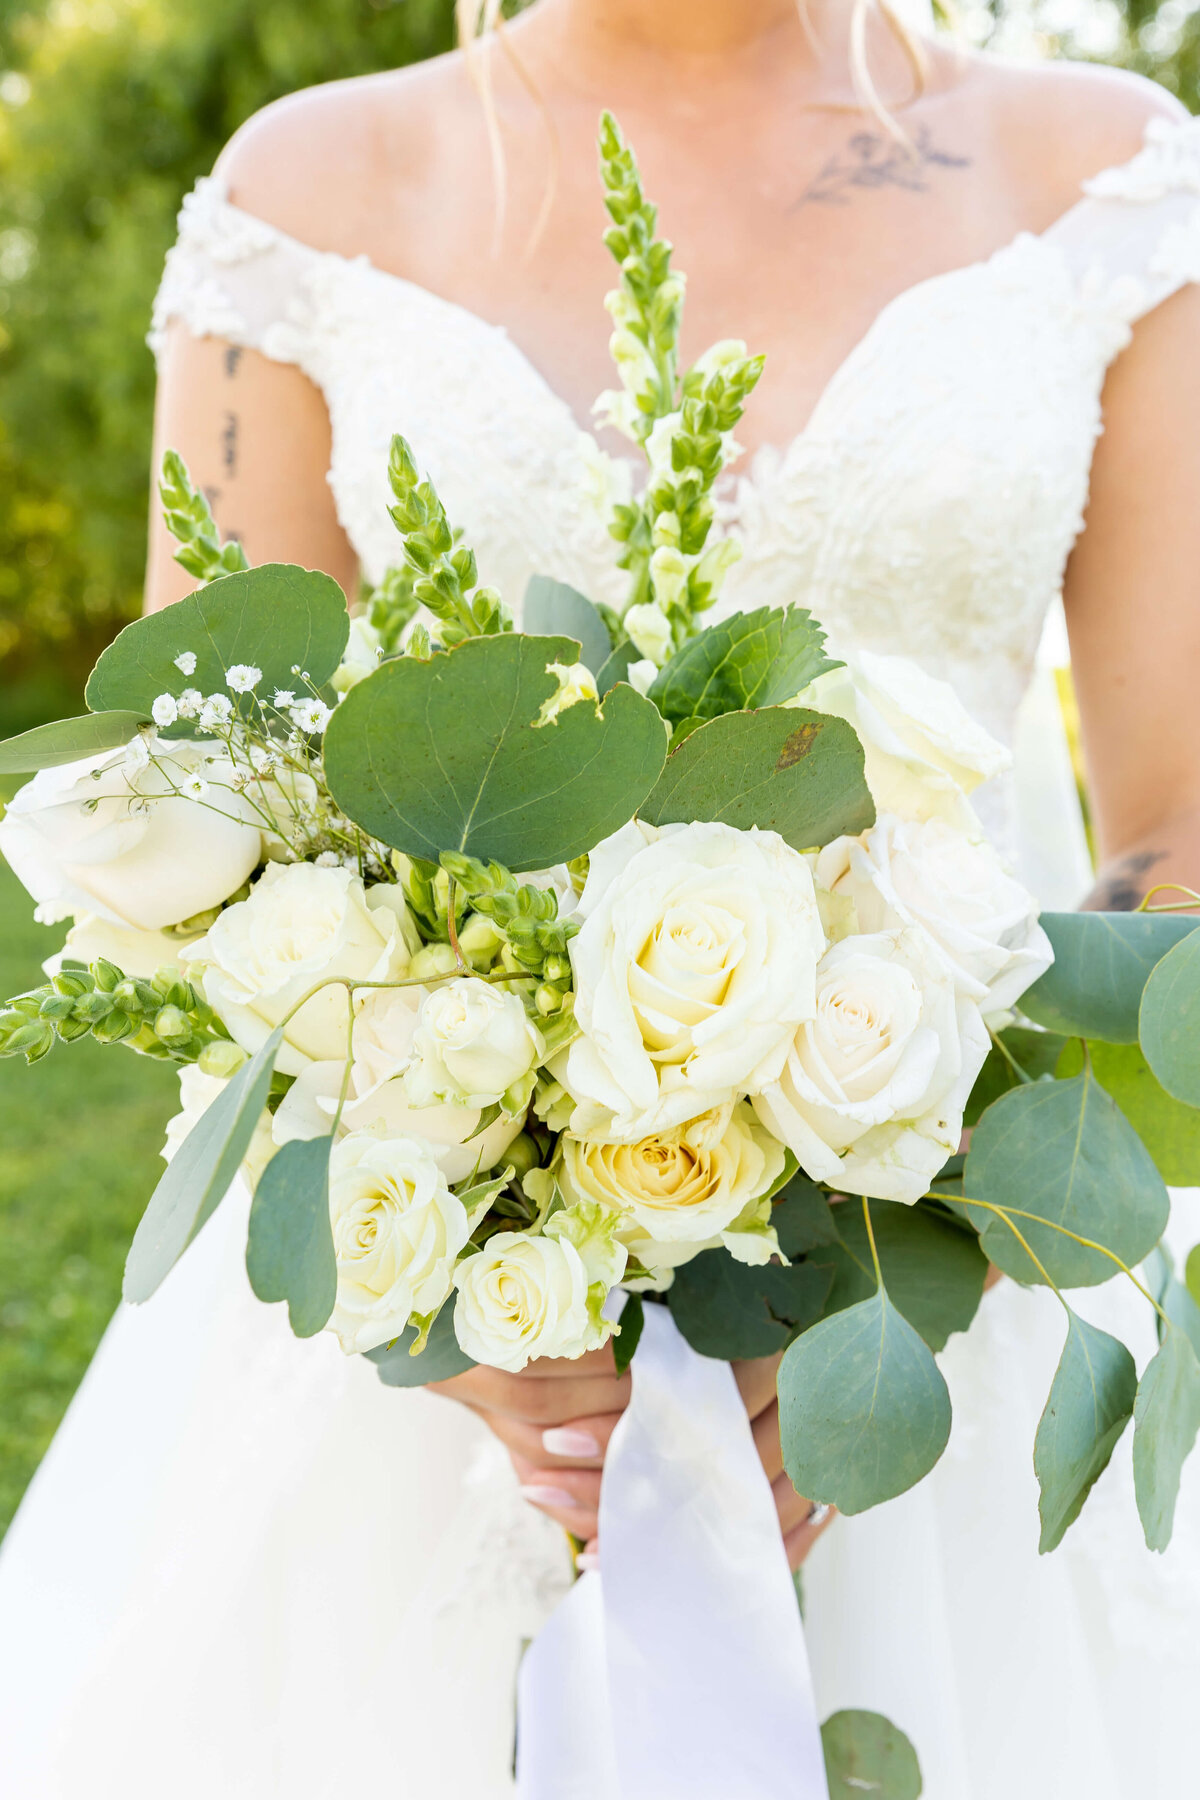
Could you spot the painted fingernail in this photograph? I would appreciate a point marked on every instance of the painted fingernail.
(549, 1496)
(567, 1440)
(586, 1560)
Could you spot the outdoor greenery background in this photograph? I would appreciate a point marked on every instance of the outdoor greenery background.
(109, 110)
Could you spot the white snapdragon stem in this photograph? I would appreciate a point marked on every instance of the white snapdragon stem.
(680, 1669)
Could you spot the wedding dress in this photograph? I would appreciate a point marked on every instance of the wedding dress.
(247, 1569)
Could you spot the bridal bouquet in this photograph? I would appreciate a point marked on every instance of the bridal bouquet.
(512, 967)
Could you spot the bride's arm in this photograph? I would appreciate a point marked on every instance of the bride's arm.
(1133, 611)
(255, 437)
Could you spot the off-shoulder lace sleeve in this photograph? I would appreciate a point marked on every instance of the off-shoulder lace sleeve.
(1135, 237)
(229, 275)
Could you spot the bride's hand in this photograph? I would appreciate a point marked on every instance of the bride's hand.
(555, 1420)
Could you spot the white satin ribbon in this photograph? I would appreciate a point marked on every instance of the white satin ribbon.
(681, 1673)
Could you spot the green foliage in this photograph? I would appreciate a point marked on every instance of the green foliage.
(752, 659)
(526, 916)
(1090, 1404)
(1169, 1025)
(866, 1754)
(864, 1412)
(1169, 1129)
(199, 1175)
(629, 1336)
(1062, 1151)
(288, 622)
(67, 740)
(654, 299)
(1034, 1053)
(190, 521)
(445, 573)
(932, 1265)
(1093, 988)
(1166, 1418)
(127, 104)
(164, 1018)
(289, 1250)
(440, 1360)
(783, 769)
(452, 755)
(553, 609)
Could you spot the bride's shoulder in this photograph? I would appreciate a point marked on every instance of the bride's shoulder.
(1059, 124)
(328, 164)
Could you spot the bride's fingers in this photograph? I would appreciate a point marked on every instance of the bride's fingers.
(765, 1430)
(570, 1496)
(756, 1381)
(579, 1443)
(539, 1400)
(801, 1527)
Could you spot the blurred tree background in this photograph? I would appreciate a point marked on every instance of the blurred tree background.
(109, 110)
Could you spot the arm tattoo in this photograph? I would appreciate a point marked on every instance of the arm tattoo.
(1121, 888)
(233, 360)
(229, 443)
(871, 161)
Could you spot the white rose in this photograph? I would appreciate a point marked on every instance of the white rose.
(107, 836)
(523, 1297)
(384, 1027)
(924, 752)
(872, 1098)
(695, 964)
(678, 1192)
(650, 630)
(300, 926)
(397, 1231)
(982, 920)
(197, 1091)
(474, 1046)
(360, 657)
(134, 952)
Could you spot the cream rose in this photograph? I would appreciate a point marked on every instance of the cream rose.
(924, 751)
(109, 837)
(301, 925)
(197, 1091)
(523, 1297)
(872, 1098)
(473, 1046)
(133, 952)
(983, 922)
(695, 964)
(678, 1192)
(397, 1231)
(384, 1028)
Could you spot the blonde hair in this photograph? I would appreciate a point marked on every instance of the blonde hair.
(481, 23)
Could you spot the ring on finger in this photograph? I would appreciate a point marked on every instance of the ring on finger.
(818, 1512)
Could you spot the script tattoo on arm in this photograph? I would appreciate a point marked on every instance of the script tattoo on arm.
(873, 161)
(1120, 888)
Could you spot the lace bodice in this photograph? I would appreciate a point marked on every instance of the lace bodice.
(928, 507)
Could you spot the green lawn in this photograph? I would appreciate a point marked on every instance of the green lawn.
(79, 1138)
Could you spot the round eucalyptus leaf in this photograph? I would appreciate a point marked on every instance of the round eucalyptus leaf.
(865, 1754)
(289, 1247)
(1170, 1021)
(1090, 1404)
(440, 1360)
(1062, 1151)
(932, 1264)
(864, 1413)
(459, 753)
(734, 1311)
(1169, 1129)
(1093, 988)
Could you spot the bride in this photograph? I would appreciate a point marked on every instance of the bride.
(248, 1569)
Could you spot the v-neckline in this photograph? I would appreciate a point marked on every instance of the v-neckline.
(778, 454)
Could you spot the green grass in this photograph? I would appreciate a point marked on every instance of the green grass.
(79, 1139)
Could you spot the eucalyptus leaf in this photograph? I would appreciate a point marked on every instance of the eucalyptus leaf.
(627, 1339)
(289, 1249)
(1093, 988)
(199, 1174)
(783, 769)
(1192, 1273)
(450, 754)
(803, 1218)
(1036, 1053)
(68, 741)
(734, 1311)
(864, 1413)
(278, 618)
(749, 660)
(932, 1265)
(440, 1360)
(1169, 1129)
(865, 1754)
(1169, 1026)
(1166, 1418)
(552, 609)
(616, 667)
(1063, 1151)
(1090, 1404)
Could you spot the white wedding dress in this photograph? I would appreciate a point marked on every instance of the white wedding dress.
(246, 1569)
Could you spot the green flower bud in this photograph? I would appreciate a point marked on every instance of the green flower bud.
(432, 960)
(91, 1008)
(557, 968)
(118, 1026)
(479, 940)
(172, 1026)
(522, 1154)
(548, 1000)
(126, 996)
(106, 975)
(71, 1029)
(57, 1006)
(72, 985)
(221, 1059)
(28, 1036)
